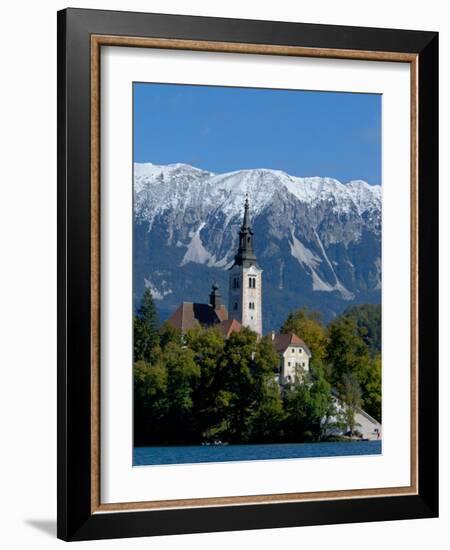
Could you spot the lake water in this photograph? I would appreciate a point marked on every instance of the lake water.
(144, 456)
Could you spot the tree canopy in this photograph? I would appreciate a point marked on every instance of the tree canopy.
(368, 320)
(199, 387)
(145, 329)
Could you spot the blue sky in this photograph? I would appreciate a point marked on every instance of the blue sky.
(223, 129)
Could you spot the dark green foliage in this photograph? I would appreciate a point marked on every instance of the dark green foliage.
(168, 333)
(372, 387)
(208, 389)
(207, 346)
(306, 406)
(145, 329)
(201, 388)
(350, 393)
(251, 401)
(368, 320)
(346, 351)
(151, 404)
(183, 376)
(352, 367)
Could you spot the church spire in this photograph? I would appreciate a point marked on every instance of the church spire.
(245, 282)
(245, 255)
(246, 221)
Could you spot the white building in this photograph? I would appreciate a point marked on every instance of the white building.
(294, 357)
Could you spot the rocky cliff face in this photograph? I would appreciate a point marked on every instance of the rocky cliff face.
(317, 240)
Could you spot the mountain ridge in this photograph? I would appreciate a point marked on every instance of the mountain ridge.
(316, 238)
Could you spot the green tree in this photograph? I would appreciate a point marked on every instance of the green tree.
(145, 329)
(307, 406)
(168, 333)
(368, 320)
(267, 414)
(372, 389)
(267, 417)
(350, 393)
(235, 379)
(353, 365)
(346, 351)
(150, 402)
(183, 375)
(207, 345)
(248, 401)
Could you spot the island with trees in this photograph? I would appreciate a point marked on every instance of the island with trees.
(200, 387)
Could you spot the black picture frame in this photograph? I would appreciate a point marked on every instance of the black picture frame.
(75, 518)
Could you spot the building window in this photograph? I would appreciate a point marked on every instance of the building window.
(236, 282)
(252, 282)
(235, 306)
(251, 305)
(289, 363)
(292, 350)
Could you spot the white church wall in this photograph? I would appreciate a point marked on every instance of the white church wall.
(294, 364)
(252, 316)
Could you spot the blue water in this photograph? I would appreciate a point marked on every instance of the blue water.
(144, 456)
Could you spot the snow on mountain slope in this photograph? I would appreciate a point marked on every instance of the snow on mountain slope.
(314, 236)
(179, 185)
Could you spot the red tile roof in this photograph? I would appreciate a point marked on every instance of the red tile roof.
(229, 326)
(190, 315)
(282, 341)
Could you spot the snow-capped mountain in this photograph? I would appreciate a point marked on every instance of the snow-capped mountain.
(318, 240)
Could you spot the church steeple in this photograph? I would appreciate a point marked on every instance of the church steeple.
(245, 285)
(246, 222)
(245, 255)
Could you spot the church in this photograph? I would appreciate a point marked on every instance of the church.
(245, 281)
(244, 308)
(244, 293)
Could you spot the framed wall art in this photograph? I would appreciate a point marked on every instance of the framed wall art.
(247, 274)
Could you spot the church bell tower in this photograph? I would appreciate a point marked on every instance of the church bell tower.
(245, 288)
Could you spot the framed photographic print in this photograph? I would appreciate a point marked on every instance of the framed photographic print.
(247, 274)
